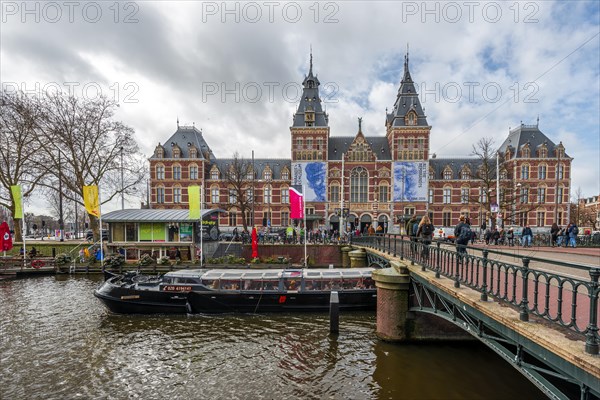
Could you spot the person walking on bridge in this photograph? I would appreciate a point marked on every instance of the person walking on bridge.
(425, 233)
(462, 233)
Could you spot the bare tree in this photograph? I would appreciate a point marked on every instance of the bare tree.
(514, 198)
(239, 176)
(87, 146)
(20, 155)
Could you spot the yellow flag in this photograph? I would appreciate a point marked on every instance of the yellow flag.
(194, 201)
(16, 193)
(90, 200)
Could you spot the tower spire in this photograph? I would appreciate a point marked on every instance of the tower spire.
(310, 69)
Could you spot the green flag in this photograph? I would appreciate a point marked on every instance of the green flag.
(194, 201)
(16, 193)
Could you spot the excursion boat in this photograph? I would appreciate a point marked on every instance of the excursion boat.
(258, 291)
(135, 293)
(239, 291)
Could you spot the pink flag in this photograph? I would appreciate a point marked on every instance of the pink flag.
(296, 202)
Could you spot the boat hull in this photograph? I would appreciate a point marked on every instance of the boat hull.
(131, 301)
(212, 302)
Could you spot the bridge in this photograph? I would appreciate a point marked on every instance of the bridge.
(539, 315)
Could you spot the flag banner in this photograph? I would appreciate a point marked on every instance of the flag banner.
(91, 200)
(410, 181)
(313, 177)
(5, 238)
(194, 201)
(296, 202)
(16, 193)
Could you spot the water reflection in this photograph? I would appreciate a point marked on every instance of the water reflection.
(59, 342)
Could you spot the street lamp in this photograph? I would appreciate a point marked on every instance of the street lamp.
(61, 224)
(122, 183)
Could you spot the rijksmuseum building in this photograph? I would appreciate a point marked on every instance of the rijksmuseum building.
(360, 180)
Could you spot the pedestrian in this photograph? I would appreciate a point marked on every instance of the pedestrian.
(526, 236)
(573, 231)
(425, 233)
(412, 226)
(462, 233)
(495, 236)
(554, 230)
(511, 237)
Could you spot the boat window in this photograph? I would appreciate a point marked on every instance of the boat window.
(351, 274)
(168, 280)
(291, 283)
(354, 283)
(253, 284)
(312, 284)
(211, 283)
(369, 283)
(331, 274)
(230, 284)
(270, 284)
(292, 274)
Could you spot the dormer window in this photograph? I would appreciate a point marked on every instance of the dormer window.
(193, 152)
(285, 174)
(159, 152)
(447, 173)
(176, 152)
(411, 118)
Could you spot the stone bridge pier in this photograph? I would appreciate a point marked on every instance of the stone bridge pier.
(395, 322)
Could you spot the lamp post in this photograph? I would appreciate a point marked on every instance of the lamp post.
(61, 225)
(253, 176)
(122, 183)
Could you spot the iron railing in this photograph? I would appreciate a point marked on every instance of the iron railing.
(562, 299)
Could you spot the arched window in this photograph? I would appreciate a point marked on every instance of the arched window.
(359, 185)
(160, 172)
(214, 195)
(525, 171)
(193, 171)
(176, 172)
(177, 194)
(542, 171)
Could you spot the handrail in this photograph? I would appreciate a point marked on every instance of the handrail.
(561, 299)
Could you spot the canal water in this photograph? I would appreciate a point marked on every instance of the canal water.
(58, 342)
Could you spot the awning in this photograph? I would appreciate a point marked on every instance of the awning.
(156, 215)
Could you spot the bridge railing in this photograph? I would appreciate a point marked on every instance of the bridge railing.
(562, 299)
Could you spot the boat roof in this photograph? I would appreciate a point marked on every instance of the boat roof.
(313, 273)
(187, 273)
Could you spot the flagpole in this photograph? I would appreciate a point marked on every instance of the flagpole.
(304, 213)
(101, 236)
(201, 226)
(23, 232)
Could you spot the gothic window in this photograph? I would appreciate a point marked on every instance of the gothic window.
(160, 172)
(177, 194)
(319, 144)
(159, 152)
(334, 193)
(285, 174)
(542, 172)
(464, 195)
(193, 152)
(358, 185)
(232, 196)
(543, 152)
(176, 172)
(525, 171)
(267, 174)
(447, 198)
(299, 143)
(384, 193)
(285, 196)
(160, 194)
(431, 174)
(250, 174)
(526, 152)
(541, 195)
(411, 118)
(214, 174)
(309, 143)
(560, 170)
(214, 195)
(193, 172)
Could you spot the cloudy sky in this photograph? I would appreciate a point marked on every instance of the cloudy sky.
(234, 69)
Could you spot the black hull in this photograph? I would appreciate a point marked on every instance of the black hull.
(129, 301)
(257, 302)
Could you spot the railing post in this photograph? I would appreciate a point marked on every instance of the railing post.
(459, 258)
(524, 312)
(484, 296)
(439, 255)
(401, 247)
(591, 337)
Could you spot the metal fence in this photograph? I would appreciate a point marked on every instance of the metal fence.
(566, 301)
